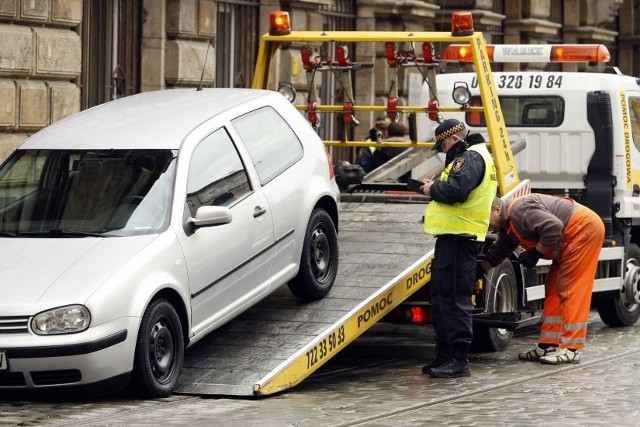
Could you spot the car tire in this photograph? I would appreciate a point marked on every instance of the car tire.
(319, 260)
(159, 350)
(501, 286)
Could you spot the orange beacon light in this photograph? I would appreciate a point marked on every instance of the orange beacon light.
(279, 23)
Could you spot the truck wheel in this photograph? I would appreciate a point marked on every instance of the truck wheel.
(319, 260)
(159, 350)
(501, 294)
(624, 309)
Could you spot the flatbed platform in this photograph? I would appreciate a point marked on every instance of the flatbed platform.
(279, 342)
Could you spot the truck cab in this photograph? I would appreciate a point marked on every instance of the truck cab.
(582, 134)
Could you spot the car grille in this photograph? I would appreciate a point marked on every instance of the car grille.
(63, 376)
(14, 325)
(40, 378)
(12, 379)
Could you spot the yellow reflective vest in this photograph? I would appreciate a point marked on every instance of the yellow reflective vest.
(471, 216)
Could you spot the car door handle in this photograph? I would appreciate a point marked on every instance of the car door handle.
(259, 211)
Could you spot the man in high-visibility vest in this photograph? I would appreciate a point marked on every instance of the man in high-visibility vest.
(377, 133)
(571, 235)
(458, 216)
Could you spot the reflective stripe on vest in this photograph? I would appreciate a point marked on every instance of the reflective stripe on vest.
(470, 216)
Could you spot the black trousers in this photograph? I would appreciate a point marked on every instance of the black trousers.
(453, 274)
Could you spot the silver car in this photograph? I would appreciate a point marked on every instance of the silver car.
(131, 230)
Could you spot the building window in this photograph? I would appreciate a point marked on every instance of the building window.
(111, 32)
(339, 16)
(237, 33)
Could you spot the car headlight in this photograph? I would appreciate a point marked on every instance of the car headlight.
(70, 319)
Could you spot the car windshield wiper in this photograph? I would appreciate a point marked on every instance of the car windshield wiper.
(62, 232)
(7, 234)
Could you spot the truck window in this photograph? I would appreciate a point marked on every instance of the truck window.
(523, 111)
(634, 112)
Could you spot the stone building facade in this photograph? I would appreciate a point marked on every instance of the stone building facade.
(58, 57)
(40, 62)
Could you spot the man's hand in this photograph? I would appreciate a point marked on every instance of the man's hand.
(426, 188)
(529, 258)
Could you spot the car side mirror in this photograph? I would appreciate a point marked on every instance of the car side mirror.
(212, 215)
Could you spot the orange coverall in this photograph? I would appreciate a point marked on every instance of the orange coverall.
(570, 280)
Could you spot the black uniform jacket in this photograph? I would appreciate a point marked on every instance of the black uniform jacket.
(465, 175)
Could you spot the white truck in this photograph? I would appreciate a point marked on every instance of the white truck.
(579, 134)
(582, 133)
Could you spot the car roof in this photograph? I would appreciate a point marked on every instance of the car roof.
(148, 120)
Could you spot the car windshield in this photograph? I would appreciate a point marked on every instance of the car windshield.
(81, 193)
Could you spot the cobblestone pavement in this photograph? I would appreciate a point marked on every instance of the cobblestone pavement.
(602, 389)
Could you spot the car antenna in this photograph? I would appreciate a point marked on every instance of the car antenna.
(199, 88)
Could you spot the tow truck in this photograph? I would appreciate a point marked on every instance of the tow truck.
(385, 257)
(498, 301)
(582, 133)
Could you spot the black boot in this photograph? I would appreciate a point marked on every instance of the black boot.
(443, 354)
(456, 367)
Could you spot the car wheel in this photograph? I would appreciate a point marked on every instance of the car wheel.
(501, 298)
(159, 350)
(319, 260)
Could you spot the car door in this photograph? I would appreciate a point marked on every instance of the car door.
(277, 154)
(228, 264)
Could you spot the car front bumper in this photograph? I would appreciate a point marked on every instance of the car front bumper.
(44, 362)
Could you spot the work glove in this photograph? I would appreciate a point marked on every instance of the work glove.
(529, 258)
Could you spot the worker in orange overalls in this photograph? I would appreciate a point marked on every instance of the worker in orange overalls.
(569, 234)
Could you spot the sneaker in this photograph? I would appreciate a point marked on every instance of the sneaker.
(536, 353)
(562, 356)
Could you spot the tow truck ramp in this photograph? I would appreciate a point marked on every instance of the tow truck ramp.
(384, 257)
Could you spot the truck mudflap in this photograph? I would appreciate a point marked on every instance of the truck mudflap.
(600, 180)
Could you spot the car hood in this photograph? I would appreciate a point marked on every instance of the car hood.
(62, 269)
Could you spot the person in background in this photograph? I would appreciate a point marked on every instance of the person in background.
(571, 235)
(458, 216)
(376, 134)
(396, 133)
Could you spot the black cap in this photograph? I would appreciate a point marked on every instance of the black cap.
(382, 122)
(445, 130)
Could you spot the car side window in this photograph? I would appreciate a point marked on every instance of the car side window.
(271, 143)
(217, 176)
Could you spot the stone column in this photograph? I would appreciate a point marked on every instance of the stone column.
(586, 22)
(629, 38)
(386, 15)
(153, 45)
